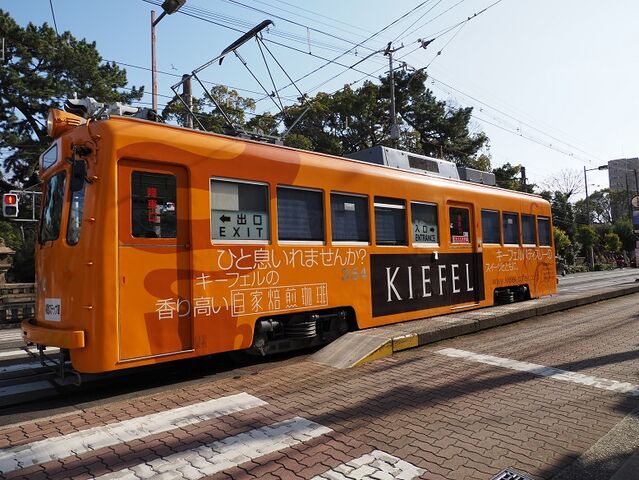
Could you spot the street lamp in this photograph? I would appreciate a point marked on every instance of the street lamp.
(600, 167)
(169, 7)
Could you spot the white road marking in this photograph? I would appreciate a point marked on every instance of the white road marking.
(218, 456)
(10, 335)
(543, 371)
(377, 464)
(84, 441)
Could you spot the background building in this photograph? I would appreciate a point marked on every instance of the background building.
(623, 175)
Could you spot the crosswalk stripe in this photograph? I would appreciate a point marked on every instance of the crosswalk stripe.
(543, 371)
(223, 454)
(94, 438)
(377, 464)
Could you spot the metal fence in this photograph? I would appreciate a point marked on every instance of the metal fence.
(17, 302)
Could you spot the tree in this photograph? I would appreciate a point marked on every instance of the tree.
(623, 228)
(567, 182)
(562, 241)
(234, 105)
(509, 176)
(587, 236)
(442, 130)
(41, 70)
(611, 243)
(351, 120)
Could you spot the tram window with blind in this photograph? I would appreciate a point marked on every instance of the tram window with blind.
(349, 218)
(490, 226)
(543, 224)
(300, 214)
(390, 221)
(528, 231)
(511, 228)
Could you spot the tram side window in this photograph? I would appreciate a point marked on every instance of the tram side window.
(424, 222)
(52, 211)
(543, 224)
(153, 212)
(390, 221)
(528, 229)
(511, 228)
(349, 218)
(490, 226)
(459, 225)
(300, 214)
(239, 211)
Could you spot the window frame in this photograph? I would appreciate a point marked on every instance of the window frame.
(76, 240)
(153, 240)
(323, 203)
(46, 166)
(468, 209)
(390, 206)
(534, 222)
(499, 227)
(425, 244)
(503, 227)
(550, 234)
(368, 218)
(41, 240)
(219, 241)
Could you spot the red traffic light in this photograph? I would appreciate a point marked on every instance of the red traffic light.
(10, 205)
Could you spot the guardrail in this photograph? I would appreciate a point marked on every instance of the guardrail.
(17, 302)
(14, 313)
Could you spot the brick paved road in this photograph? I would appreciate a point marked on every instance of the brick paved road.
(462, 409)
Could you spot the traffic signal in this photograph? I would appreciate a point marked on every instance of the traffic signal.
(10, 205)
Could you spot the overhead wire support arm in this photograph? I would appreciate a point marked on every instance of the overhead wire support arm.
(231, 48)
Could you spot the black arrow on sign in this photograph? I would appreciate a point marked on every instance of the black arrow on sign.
(224, 218)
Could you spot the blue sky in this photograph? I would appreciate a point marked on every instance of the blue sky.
(553, 83)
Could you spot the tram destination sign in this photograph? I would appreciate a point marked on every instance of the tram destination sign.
(404, 283)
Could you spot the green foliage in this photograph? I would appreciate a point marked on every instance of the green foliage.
(23, 261)
(562, 241)
(611, 242)
(563, 215)
(40, 71)
(587, 236)
(509, 176)
(234, 105)
(624, 229)
(442, 130)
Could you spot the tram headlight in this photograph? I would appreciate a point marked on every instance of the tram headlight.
(59, 121)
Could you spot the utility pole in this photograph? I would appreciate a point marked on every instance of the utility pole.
(601, 167)
(394, 129)
(523, 178)
(188, 99)
(154, 69)
(169, 7)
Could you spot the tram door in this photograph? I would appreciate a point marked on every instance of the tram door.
(154, 260)
(468, 286)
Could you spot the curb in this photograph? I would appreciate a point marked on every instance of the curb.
(363, 346)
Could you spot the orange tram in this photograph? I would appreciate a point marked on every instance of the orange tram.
(158, 243)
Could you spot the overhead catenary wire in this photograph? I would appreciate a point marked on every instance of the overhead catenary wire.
(367, 74)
